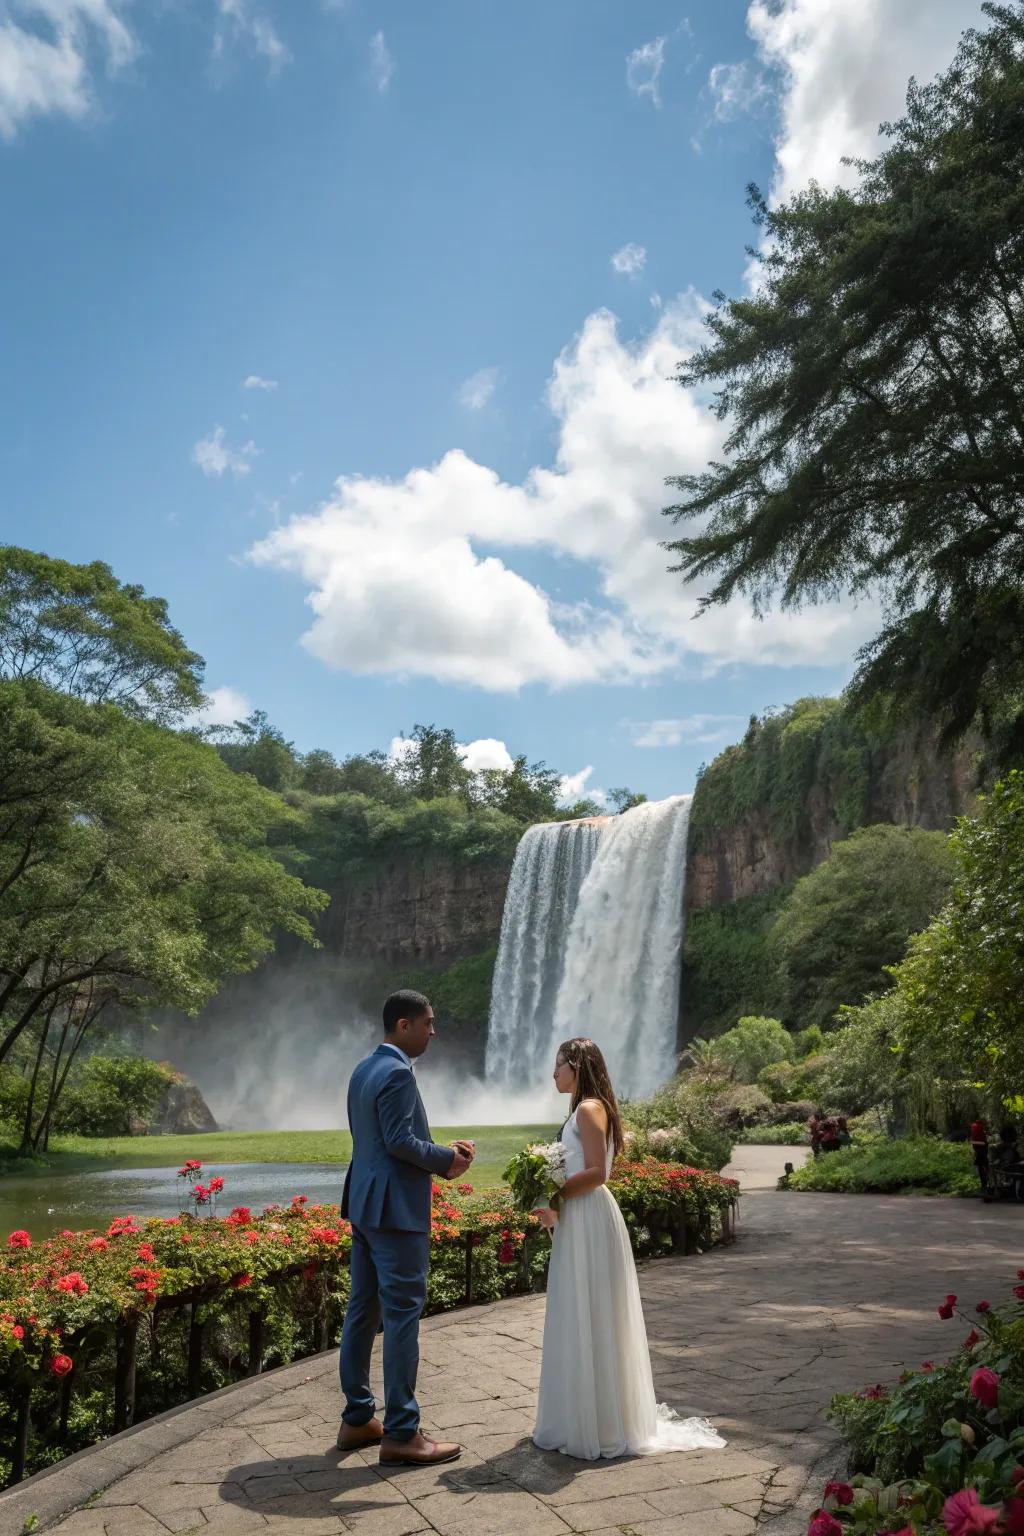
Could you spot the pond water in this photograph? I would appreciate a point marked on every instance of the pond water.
(91, 1199)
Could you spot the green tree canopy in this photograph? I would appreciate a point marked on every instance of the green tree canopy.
(753, 1044)
(78, 629)
(959, 994)
(848, 920)
(874, 390)
(134, 866)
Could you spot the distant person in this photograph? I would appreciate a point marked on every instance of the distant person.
(830, 1134)
(387, 1199)
(1006, 1157)
(845, 1139)
(814, 1132)
(979, 1150)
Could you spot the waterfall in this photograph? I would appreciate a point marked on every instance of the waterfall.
(620, 979)
(551, 863)
(591, 944)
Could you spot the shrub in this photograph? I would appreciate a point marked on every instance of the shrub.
(110, 1094)
(689, 1108)
(14, 1091)
(741, 1104)
(785, 1081)
(791, 1133)
(755, 1042)
(885, 1167)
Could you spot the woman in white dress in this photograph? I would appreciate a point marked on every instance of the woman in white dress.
(596, 1389)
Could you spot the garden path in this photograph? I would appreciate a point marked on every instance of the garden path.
(820, 1293)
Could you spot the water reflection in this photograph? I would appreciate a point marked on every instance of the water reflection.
(77, 1200)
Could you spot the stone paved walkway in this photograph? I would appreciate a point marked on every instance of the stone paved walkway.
(819, 1293)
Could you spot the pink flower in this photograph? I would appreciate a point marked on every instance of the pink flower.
(841, 1492)
(963, 1514)
(19, 1240)
(824, 1524)
(985, 1387)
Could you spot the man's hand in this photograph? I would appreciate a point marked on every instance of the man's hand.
(461, 1161)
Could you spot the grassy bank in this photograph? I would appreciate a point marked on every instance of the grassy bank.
(82, 1154)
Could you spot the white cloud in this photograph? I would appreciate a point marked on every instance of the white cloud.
(240, 23)
(576, 786)
(224, 706)
(255, 382)
(451, 534)
(643, 69)
(47, 57)
(737, 88)
(382, 64)
(843, 69)
(629, 259)
(671, 733)
(216, 457)
(485, 753)
(477, 390)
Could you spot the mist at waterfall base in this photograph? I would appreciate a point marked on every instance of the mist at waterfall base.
(591, 944)
(276, 1049)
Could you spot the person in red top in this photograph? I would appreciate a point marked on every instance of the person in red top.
(979, 1147)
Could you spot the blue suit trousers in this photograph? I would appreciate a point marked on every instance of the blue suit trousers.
(388, 1281)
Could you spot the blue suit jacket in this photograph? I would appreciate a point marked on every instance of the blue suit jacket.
(394, 1160)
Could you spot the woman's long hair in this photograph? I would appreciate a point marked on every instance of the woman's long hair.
(593, 1082)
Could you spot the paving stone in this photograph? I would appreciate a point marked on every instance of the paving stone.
(184, 1520)
(489, 1514)
(627, 1509)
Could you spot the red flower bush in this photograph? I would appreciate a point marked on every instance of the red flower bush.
(824, 1524)
(19, 1240)
(61, 1365)
(73, 1284)
(841, 1492)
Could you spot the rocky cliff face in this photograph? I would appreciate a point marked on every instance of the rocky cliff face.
(907, 784)
(430, 911)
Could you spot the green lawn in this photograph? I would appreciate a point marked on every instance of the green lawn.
(80, 1154)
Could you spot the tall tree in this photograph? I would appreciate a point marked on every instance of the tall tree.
(846, 922)
(874, 387)
(78, 629)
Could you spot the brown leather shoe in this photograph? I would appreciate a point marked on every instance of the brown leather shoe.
(355, 1437)
(417, 1452)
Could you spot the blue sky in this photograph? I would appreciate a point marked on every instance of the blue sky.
(455, 249)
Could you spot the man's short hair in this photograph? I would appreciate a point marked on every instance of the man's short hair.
(406, 1004)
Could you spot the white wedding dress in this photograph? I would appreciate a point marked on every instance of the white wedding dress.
(596, 1389)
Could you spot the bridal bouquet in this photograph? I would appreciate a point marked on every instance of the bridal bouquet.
(536, 1174)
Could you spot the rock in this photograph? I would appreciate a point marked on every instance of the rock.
(182, 1110)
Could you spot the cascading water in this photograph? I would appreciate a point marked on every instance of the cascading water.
(620, 980)
(551, 864)
(591, 944)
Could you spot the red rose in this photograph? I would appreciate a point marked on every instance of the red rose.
(841, 1492)
(824, 1524)
(963, 1514)
(971, 1339)
(1018, 1291)
(1013, 1517)
(19, 1240)
(985, 1387)
(983, 1307)
(946, 1310)
(60, 1365)
(874, 1392)
(18, 1331)
(1017, 1476)
(927, 1365)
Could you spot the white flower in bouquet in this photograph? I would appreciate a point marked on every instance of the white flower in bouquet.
(553, 1153)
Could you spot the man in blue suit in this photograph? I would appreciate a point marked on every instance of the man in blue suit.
(387, 1198)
